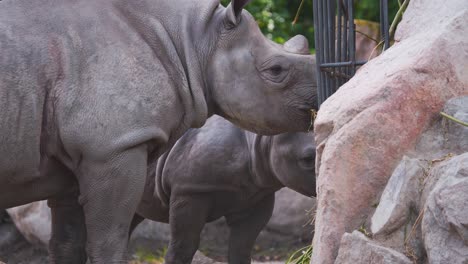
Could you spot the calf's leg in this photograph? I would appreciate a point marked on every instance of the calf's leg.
(245, 229)
(187, 216)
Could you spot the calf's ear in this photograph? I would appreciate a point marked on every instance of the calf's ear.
(234, 10)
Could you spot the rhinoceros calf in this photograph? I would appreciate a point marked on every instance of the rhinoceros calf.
(221, 170)
(91, 92)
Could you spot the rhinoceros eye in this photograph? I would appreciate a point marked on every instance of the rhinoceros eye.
(307, 162)
(276, 70)
(275, 73)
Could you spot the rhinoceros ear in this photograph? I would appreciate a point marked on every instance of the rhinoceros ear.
(298, 44)
(234, 10)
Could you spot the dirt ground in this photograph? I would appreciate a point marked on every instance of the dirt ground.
(14, 249)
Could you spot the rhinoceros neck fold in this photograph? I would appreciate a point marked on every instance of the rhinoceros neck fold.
(177, 32)
(262, 173)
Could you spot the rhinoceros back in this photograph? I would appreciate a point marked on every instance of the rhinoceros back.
(37, 43)
(64, 60)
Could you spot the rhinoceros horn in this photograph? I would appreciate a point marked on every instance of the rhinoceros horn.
(298, 44)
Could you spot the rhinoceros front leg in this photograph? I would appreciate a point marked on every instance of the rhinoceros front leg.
(68, 241)
(245, 228)
(110, 192)
(187, 216)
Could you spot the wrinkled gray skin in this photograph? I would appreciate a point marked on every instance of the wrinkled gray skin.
(91, 92)
(221, 170)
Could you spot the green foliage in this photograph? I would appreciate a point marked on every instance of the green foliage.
(302, 256)
(275, 17)
(370, 9)
(143, 256)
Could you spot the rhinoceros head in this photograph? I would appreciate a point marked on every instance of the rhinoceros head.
(257, 84)
(292, 161)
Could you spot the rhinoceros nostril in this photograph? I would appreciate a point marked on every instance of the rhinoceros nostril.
(298, 45)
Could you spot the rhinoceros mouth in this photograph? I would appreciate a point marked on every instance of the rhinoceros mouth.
(313, 116)
(305, 108)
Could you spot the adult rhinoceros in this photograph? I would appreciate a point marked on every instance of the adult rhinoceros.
(93, 91)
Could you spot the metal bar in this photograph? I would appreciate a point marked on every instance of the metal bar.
(352, 38)
(338, 41)
(384, 22)
(317, 56)
(381, 20)
(335, 43)
(326, 45)
(323, 5)
(344, 51)
(336, 74)
(345, 34)
(341, 64)
(322, 53)
(332, 14)
(318, 50)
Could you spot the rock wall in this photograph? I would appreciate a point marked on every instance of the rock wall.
(371, 122)
(422, 215)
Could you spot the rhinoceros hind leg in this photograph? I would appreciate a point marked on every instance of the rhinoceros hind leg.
(245, 228)
(187, 217)
(68, 241)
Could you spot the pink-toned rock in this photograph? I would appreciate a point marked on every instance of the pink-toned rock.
(445, 220)
(199, 258)
(33, 222)
(364, 129)
(357, 248)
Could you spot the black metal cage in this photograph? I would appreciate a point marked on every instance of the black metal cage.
(335, 39)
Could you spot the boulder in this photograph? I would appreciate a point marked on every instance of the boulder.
(410, 194)
(357, 248)
(445, 136)
(456, 135)
(14, 248)
(400, 196)
(199, 258)
(33, 221)
(445, 221)
(371, 122)
(396, 214)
